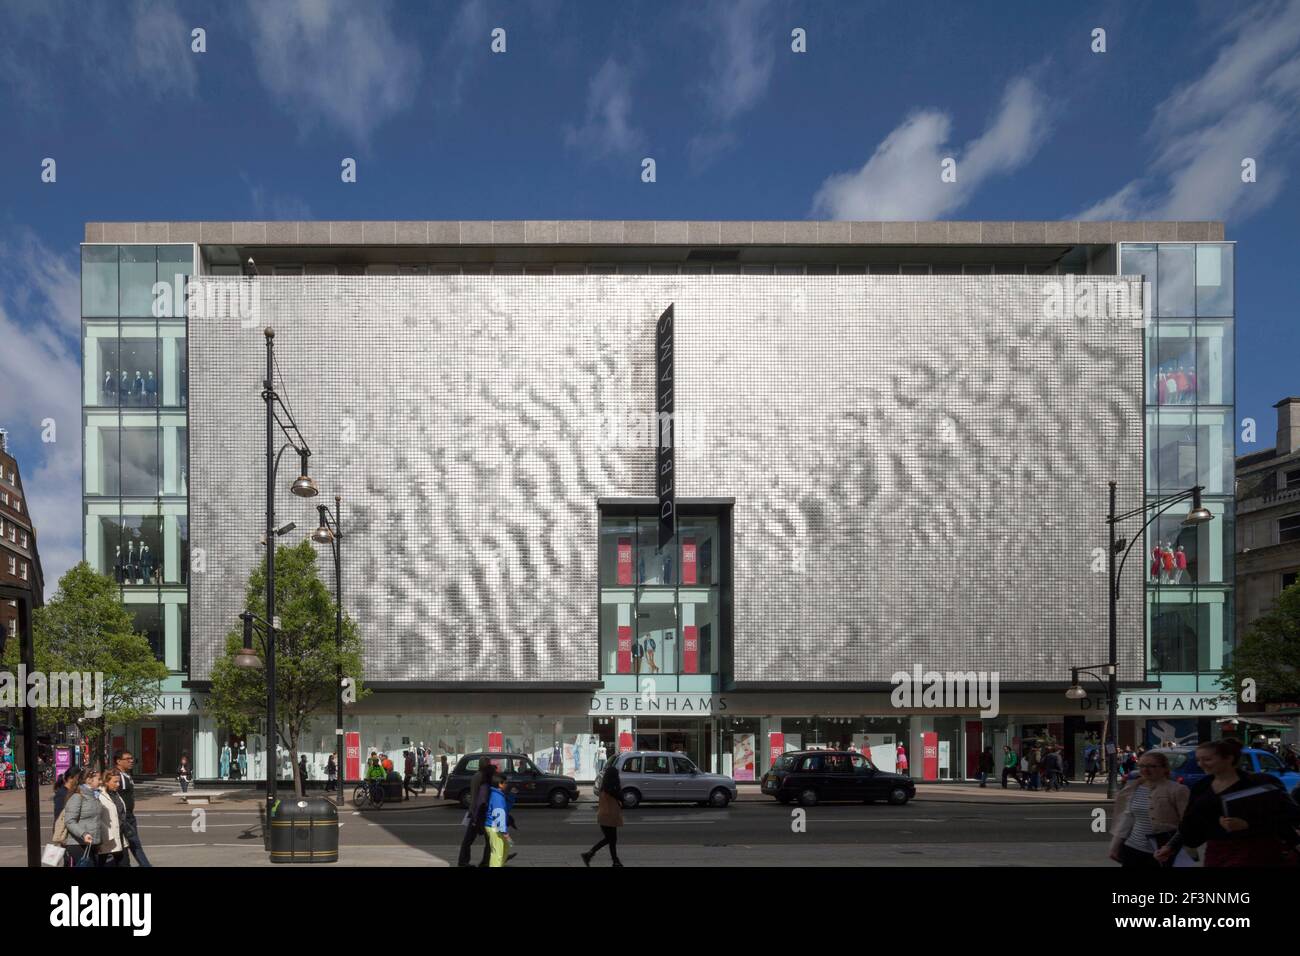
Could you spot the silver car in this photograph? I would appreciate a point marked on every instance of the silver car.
(654, 776)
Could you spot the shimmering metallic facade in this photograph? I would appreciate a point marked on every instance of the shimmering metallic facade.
(918, 464)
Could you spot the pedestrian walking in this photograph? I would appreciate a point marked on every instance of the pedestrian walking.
(184, 774)
(1010, 766)
(123, 761)
(443, 770)
(1052, 769)
(1264, 834)
(331, 772)
(115, 829)
(498, 821)
(81, 821)
(65, 787)
(1035, 768)
(1147, 813)
(476, 813)
(409, 779)
(609, 815)
(1024, 771)
(1091, 764)
(986, 765)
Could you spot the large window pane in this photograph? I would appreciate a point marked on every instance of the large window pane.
(1189, 362)
(141, 552)
(1214, 279)
(697, 542)
(617, 552)
(1182, 555)
(175, 263)
(1190, 631)
(655, 648)
(1175, 291)
(98, 281)
(139, 272)
(148, 620)
(1190, 446)
(1214, 362)
(138, 367)
(653, 567)
(100, 365)
(132, 454)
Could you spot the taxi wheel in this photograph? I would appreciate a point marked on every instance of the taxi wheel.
(808, 798)
(898, 796)
(719, 798)
(558, 799)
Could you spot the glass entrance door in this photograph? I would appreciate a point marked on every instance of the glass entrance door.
(694, 738)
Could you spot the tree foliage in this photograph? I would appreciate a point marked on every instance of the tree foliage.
(86, 629)
(307, 658)
(1269, 653)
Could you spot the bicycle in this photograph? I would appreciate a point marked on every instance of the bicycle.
(368, 795)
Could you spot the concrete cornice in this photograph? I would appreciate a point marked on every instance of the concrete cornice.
(630, 232)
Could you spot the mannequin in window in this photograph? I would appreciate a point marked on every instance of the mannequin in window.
(131, 567)
(649, 648)
(146, 565)
(151, 389)
(1160, 387)
(557, 758)
(1167, 562)
(1180, 565)
(1184, 389)
(243, 759)
(636, 657)
(110, 389)
(124, 389)
(118, 574)
(1155, 562)
(1171, 388)
(137, 388)
(225, 761)
(1191, 383)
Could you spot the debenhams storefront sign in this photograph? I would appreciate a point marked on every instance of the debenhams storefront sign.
(1136, 704)
(638, 705)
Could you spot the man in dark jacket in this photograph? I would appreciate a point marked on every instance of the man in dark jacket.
(124, 760)
(479, 786)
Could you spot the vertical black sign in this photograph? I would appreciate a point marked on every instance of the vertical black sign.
(666, 478)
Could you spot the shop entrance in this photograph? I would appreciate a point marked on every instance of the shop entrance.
(677, 735)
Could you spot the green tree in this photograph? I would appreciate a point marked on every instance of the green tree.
(307, 658)
(85, 629)
(1269, 654)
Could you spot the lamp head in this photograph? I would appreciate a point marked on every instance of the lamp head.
(1199, 513)
(246, 659)
(323, 534)
(303, 486)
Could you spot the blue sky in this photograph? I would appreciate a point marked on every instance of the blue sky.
(739, 125)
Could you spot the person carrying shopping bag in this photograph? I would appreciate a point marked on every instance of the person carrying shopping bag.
(116, 829)
(82, 817)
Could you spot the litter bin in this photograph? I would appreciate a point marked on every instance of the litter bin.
(305, 831)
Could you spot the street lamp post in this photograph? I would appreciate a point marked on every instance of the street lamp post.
(1198, 515)
(303, 487)
(331, 532)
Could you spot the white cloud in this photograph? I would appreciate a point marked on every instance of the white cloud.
(608, 127)
(1244, 105)
(901, 180)
(40, 378)
(743, 57)
(334, 60)
(118, 49)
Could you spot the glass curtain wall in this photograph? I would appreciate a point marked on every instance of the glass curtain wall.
(135, 437)
(1190, 400)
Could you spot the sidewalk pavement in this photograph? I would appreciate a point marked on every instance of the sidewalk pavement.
(210, 855)
(165, 795)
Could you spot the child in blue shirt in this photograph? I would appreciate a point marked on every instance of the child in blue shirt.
(500, 803)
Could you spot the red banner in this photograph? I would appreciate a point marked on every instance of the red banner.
(624, 649)
(930, 757)
(624, 561)
(352, 756)
(496, 742)
(688, 561)
(624, 742)
(775, 745)
(690, 649)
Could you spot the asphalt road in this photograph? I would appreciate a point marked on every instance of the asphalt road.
(756, 833)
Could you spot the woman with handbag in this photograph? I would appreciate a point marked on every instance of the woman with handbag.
(116, 831)
(609, 814)
(82, 818)
(184, 774)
